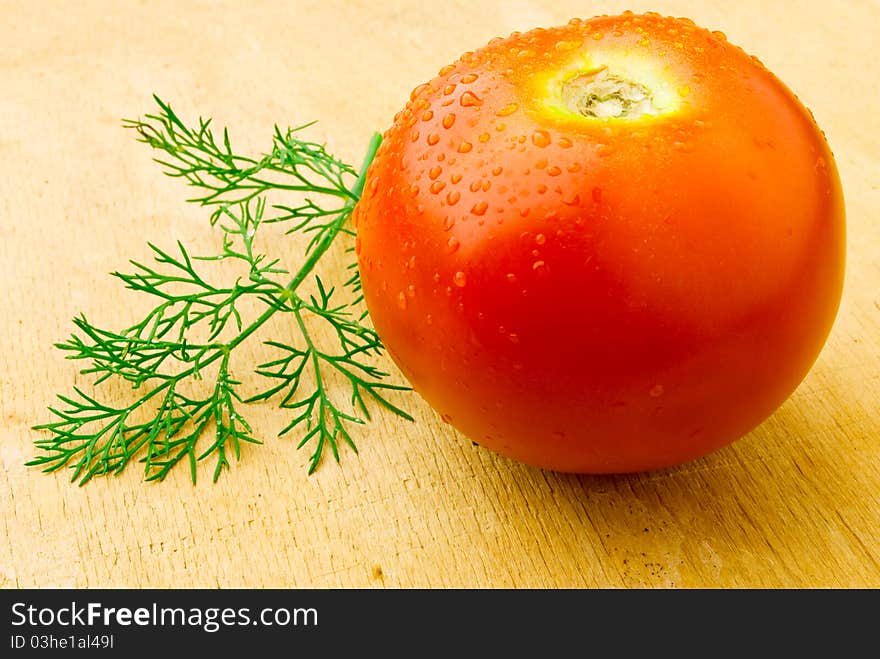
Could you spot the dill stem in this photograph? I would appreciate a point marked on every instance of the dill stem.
(356, 191)
(290, 289)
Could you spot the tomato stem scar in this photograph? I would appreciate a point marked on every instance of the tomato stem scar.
(604, 95)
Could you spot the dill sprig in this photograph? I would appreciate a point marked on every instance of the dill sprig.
(177, 357)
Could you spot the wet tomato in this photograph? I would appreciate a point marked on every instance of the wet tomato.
(606, 247)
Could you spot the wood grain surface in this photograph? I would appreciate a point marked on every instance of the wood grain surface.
(794, 504)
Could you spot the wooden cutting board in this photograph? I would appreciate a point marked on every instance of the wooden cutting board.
(795, 503)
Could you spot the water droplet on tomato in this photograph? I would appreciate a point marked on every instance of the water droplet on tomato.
(540, 239)
(656, 391)
(448, 120)
(427, 115)
(539, 267)
(434, 172)
(541, 138)
(484, 137)
(455, 178)
(401, 301)
(452, 245)
(468, 78)
(479, 208)
(465, 147)
(459, 279)
(469, 99)
(497, 170)
(507, 110)
(418, 90)
(554, 171)
(568, 45)
(433, 138)
(437, 186)
(453, 197)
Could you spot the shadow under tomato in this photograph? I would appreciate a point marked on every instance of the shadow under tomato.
(786, 506)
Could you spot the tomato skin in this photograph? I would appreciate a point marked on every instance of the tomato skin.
(596, 295)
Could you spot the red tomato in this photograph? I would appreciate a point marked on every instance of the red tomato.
(611, 246)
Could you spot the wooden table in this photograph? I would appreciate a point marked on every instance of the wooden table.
(796, 503)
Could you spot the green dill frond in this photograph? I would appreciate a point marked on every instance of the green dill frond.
(178, 358)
